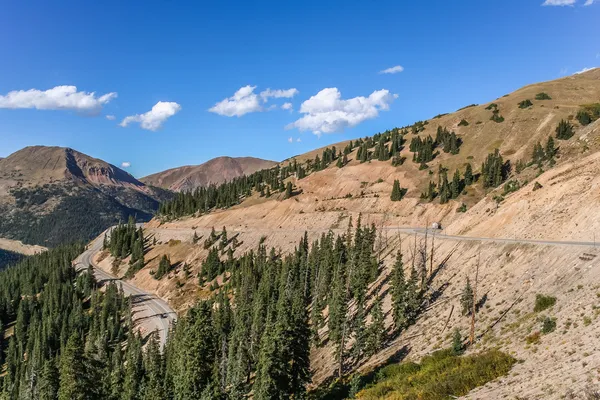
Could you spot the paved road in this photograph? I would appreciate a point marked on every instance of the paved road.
(440, 235)
(150, 312)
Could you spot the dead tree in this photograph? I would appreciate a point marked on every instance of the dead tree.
(474, 310)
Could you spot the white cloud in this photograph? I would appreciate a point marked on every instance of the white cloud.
(244, 101)
(111, 117)
(279, 93)
(392, 70)
(287, 106)
(584, 70)
(589, 2)
(57, 98)
(559, 2)
(153, 119)
(298, 140)
(125, 164)
(327, 112)
(290, 139)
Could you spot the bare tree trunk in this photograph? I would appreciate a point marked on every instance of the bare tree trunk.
(432, 252)
(474, 310)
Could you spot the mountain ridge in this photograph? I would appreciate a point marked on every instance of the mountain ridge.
(213, 171)
(51, 194)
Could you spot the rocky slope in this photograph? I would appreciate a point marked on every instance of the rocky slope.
(49, 195)
(215, 171)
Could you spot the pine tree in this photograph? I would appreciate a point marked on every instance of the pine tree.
(153, 383)
(49, 381)
(289, 190)
(457, 343)
(398, 288)
(468, 175)
(455, 186)
(564, 130)
(550, 150)
(466, 299)
(397, 192)
(376, 330)
(73, 380)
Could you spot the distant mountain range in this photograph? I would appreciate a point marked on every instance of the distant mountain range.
(215, 171)
(50, 195)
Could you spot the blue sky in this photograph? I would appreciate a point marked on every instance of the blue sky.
(160, 67)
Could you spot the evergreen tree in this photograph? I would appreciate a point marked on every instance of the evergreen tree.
(289, 190)
(376, 330)
(493, 170)
(397, 191)
(466, 299)
(550, 150)
(468, 175)
(399, 295)
(457, 343)
(74, 384)
(49, 381)
(564, 130)
(455, 186)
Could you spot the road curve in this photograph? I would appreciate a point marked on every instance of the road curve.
(150, 312)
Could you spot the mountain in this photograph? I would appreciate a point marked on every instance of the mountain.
(215, 171)
(49, 195)
(499, 231)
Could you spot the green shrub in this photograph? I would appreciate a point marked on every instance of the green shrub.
(439, 376)
(542, 96)
(537, 186)
(543, 302)
(511, 186)
(525, 104)
(584, 117)
(564, 130)
(497, 118)
(548, 325)
(463, 122)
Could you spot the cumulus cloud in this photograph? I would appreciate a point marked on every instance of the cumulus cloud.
(559, 2)
(153, 119)
(290, 139)
(589, 2)
(245, 101)
(298, 140)
(125, 164)
(278, 93)
(287, 106)
(327, 112)
(57, 98)
(585, 70)
(111, 117)
(392, 70)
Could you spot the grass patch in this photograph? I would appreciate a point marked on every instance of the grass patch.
(543, 302)
(438, 376)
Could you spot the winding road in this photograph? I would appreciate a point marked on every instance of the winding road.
(150, 312)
